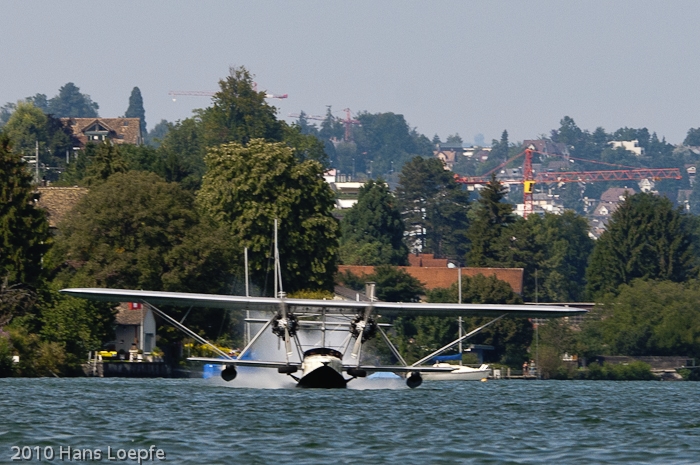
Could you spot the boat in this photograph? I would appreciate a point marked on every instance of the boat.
(460, 373)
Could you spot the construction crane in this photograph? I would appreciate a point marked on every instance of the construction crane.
(529, 178)
(348, 122)
(204, 93)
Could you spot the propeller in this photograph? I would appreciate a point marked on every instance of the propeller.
(360, 328)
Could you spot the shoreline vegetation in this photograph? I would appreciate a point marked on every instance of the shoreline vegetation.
(176, 214)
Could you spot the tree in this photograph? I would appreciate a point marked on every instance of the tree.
(181, 154)
(645, 238)
(24, 230)
(29, 125)
(372, 230)
(434, 207)
(554, 252)
(491, 217)
(649, 318)
(94, 164)
(510, 337)
(693, 137)
(156, 135)
(136, 231)
(395, 284)
(239, 113)
(70, 102)
(247, 187)
(136, 110)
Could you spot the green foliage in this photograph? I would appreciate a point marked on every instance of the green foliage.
(94, 164)
(633, 371)
(70, 102)
(239, 113)
(649, 318)
(435, 208)
(645, 238)
(135, 109)
(181, 154)
(246, 188)
(77, 325)
(553, 250)
(372, 230)
(24, 230)
(490, 219)
(693, 137)
(7, 368)
(395, 284)
(510, 337)
(155, 136)
(137, 231)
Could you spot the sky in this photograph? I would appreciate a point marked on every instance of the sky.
(467, 67)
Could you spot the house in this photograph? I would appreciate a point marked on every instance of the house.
(58, 201)
(629, 145)
(547, 148)
(136, 328)
(616, 194)
(448, 154)
(117, 130)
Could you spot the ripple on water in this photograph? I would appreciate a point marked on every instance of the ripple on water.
(196, 421)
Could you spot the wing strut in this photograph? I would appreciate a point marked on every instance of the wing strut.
(257, 336)
(393, 348)
(187, 330)
(457, 341)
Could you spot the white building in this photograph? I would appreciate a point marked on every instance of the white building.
(629, 145)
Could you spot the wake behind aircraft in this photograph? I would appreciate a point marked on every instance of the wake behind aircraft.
(321, 366)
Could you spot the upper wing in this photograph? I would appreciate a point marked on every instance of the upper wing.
(314, 305)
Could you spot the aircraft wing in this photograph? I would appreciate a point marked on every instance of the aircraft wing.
(248, 363)
(313, 305)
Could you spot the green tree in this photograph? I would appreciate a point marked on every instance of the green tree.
(155, 136)
(693, 137)
(645, 238)
(247, 187)
(649, 318)
(553, 251)
(394, 284)
(239, 113)
(24, 230)
(491, 217)
(510, 337)
(181, 154)
(136, 231)
(70, 102)
(434, 207)
(136, 110)
(372, 230)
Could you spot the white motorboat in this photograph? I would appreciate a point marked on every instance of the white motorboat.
(460, 373)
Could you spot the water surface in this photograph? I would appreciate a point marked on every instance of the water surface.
(198, 421)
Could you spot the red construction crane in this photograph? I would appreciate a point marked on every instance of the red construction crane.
(530, 178)
(348, 122)
(205, 93)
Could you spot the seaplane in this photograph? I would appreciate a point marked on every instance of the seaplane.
(322, 365)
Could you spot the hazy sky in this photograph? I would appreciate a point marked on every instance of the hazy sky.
(450, 66)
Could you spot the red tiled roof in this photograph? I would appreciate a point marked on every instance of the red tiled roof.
(444, 277)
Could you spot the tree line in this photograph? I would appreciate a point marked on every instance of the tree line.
(177, 217)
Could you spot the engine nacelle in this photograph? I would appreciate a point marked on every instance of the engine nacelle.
(229, 373)
(357, 372)
(414, 380)
(287, 370)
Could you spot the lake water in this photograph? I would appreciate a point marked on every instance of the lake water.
(195, 421)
